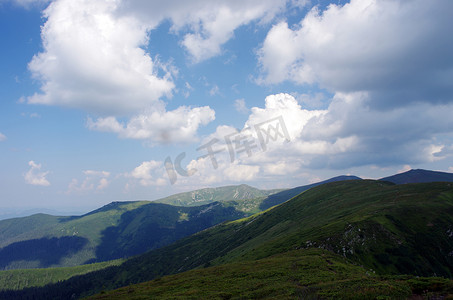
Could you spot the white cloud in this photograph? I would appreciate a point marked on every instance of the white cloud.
(387, 64)
(149, 173)
(34, 176)
(207, 24)
(93, 60)
(240, 106)
(284, 105)
(381, 137)
(2, 137)
(281, 167)
(237, 172)
(93, 56)
(179, 125)
(241, 156)
(397, 51)
(347, 134)
(94, 180)
(103, 183)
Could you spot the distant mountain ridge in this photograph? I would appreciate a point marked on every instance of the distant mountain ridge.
(419, 176)
(386, 228)
(116, 230)
(209, 195)
(122, 229)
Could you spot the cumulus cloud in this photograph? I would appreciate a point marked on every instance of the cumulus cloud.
(93, 56)
(293, 139)
(2, 137)
(93, 60)
(149, 173)
(382, 137)
(34, 176)
(265, 146)
(94, 180)
(397, 51)
(179, 125)
(387, 63)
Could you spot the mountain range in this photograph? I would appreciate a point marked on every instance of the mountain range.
(123, 229)
(366, 228)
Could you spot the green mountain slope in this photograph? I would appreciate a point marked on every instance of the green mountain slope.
(386, 228)
(302, 274)
(209, 195)
(282, 196)
(117, 230)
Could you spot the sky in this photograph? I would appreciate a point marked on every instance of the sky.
(117, 100)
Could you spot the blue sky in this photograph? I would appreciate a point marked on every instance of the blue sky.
(99, 98)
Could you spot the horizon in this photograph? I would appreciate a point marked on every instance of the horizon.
(122, 100)
(8, 213)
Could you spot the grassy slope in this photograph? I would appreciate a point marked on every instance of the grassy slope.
(89, 227)
(118, 230)
(298, 274)
(282, 196)
(19, 279)
(387, 228)
(92, 234)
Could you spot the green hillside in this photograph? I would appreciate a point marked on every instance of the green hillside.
(209, 195)
(298, 274)
(388, 229)
(117, 230)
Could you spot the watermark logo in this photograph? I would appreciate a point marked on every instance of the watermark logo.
(237, 142)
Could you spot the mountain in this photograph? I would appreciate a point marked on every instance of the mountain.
(244, 198)
(282, 196)
(209, 195)
(385, 228)
(419, 176)
(117, 230)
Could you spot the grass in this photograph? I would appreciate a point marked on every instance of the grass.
(306, 274)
